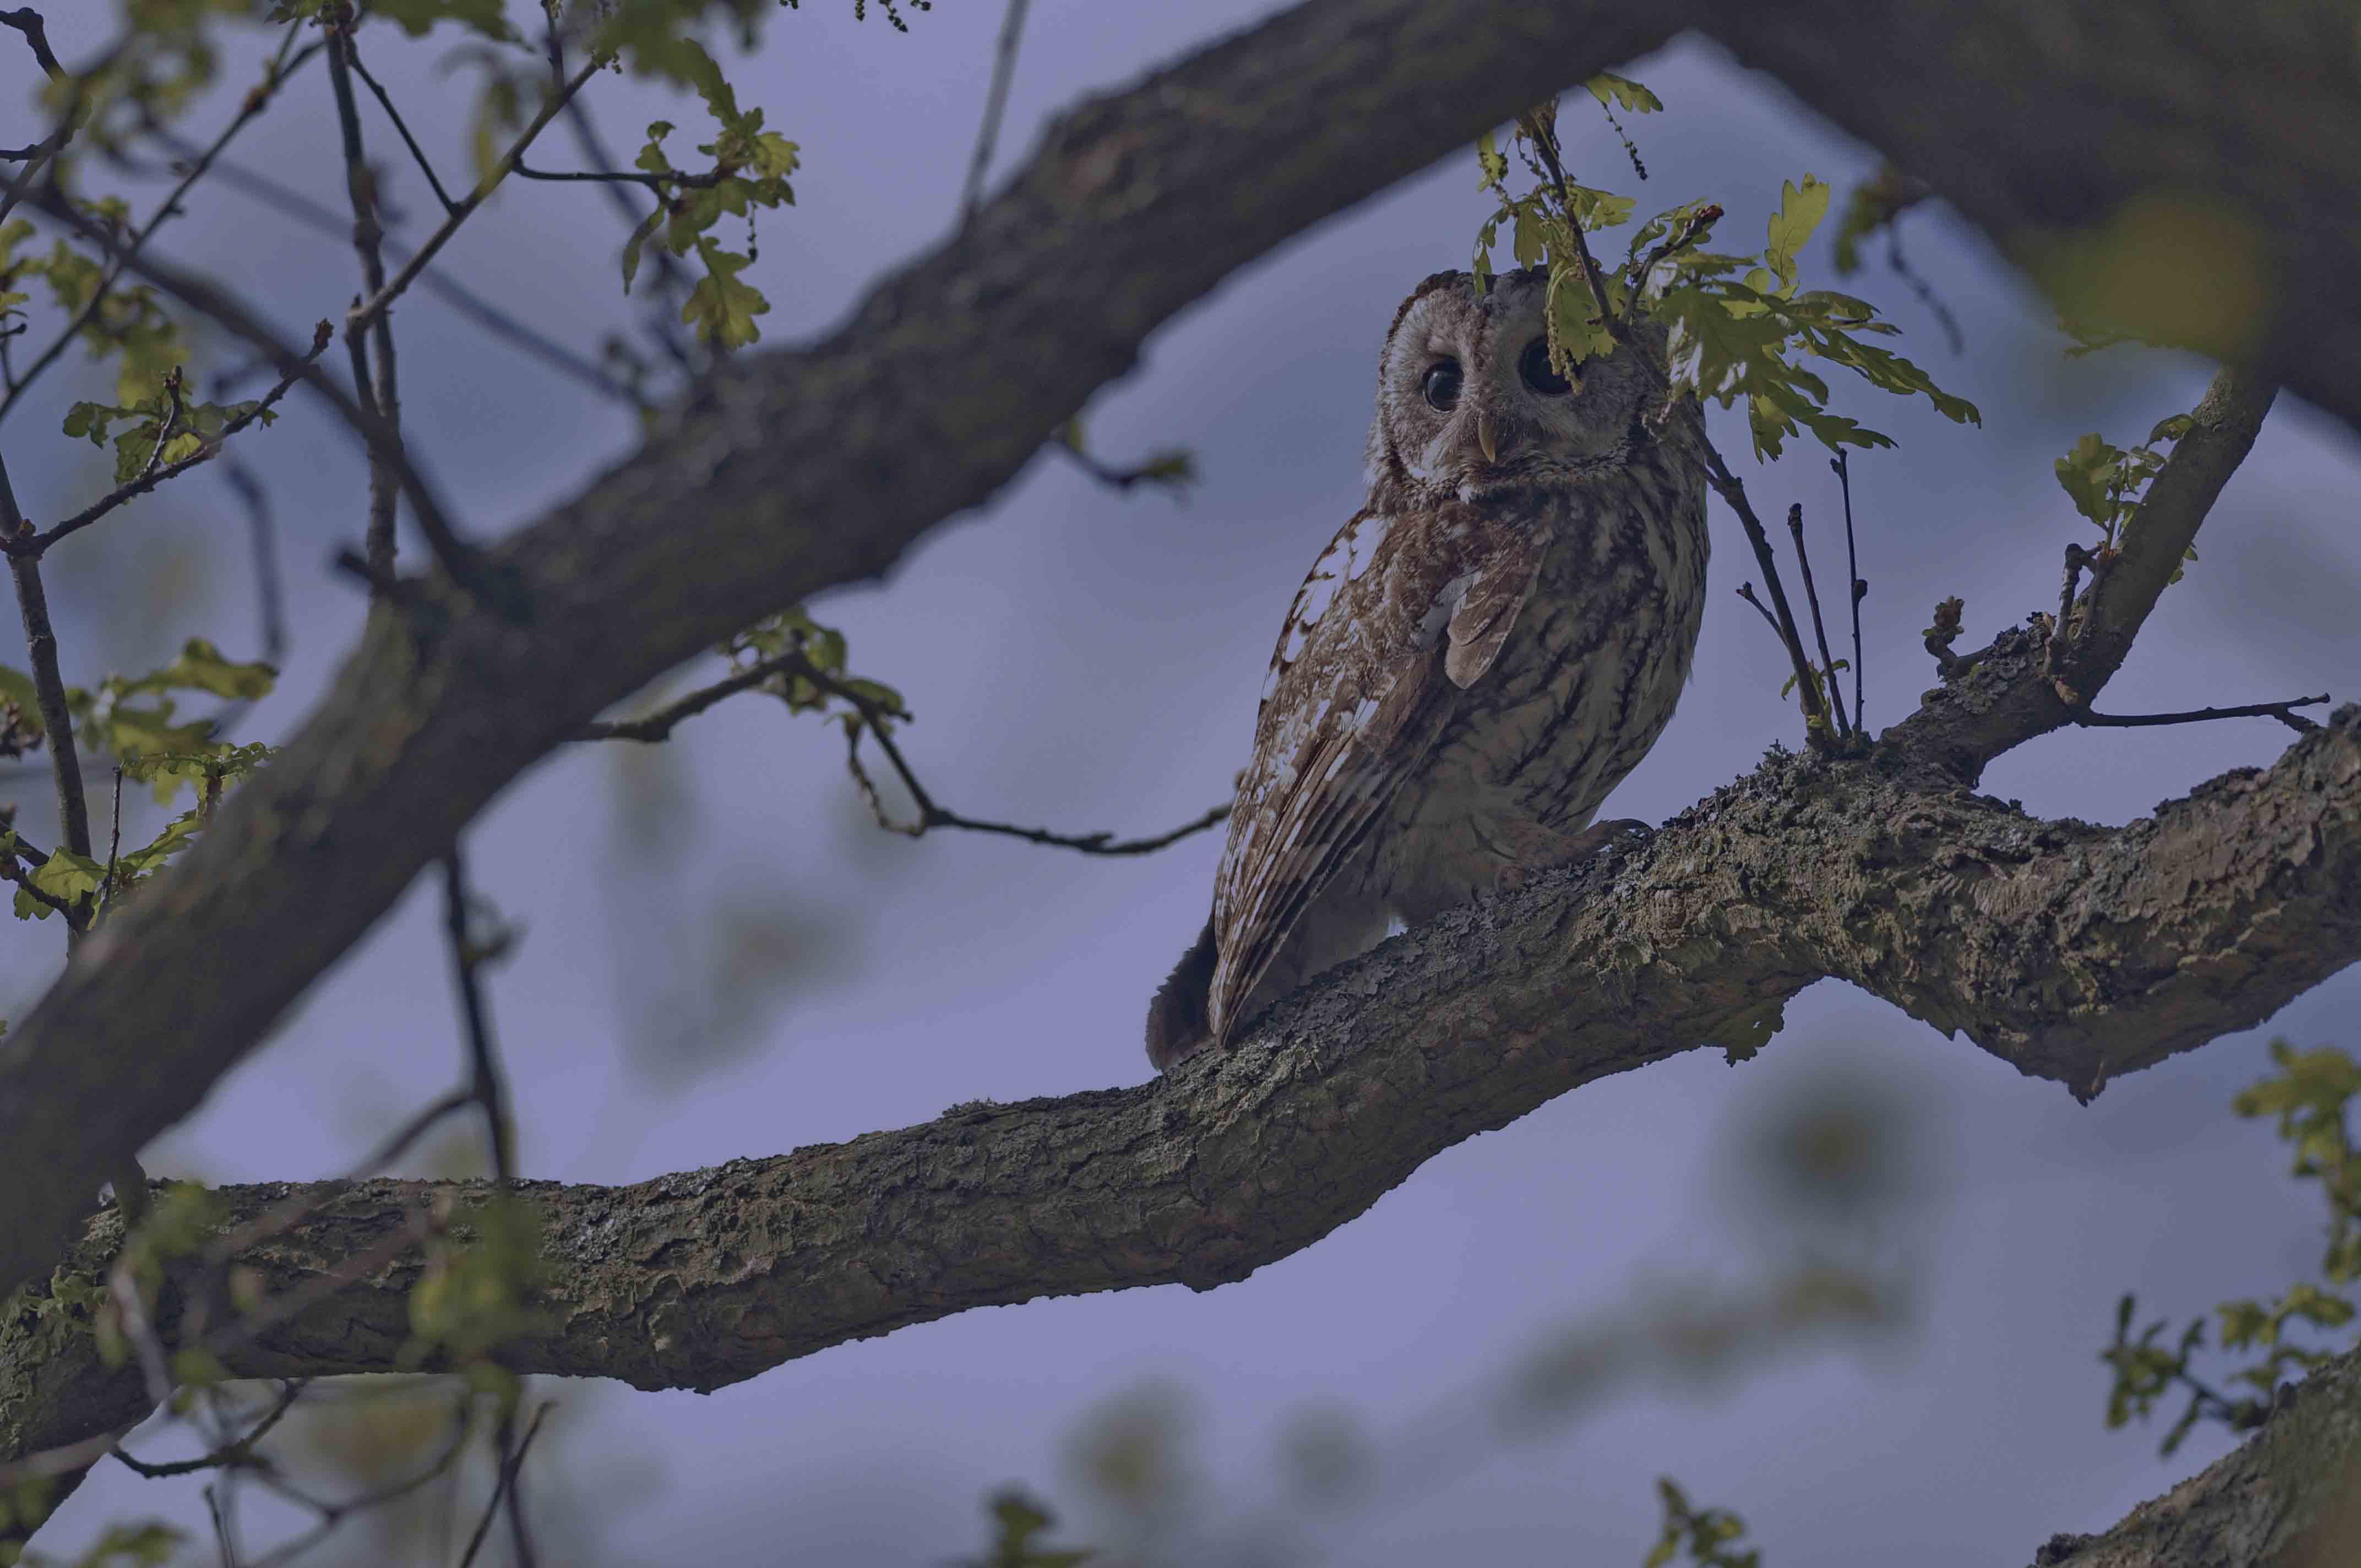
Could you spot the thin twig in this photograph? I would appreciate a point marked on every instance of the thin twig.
(28, 21)
(458, 296)
(1733, 494)
(510, 1465)
(2282, 711)
(1819, 626)
(241, 1452)
(455, 555)
(114, 846)
(877, 718)
(662, 319)
(353, 59)
(279, 69)
(486, 1085)
(2077, 558)
(995, 106)
(659, 724)
(1543, 134)
(667, 179)
(38, 157)
(34, 545)
(378, 302)
(1746, 592)
(378, 394)
(1156, 468)
(48, 685)
(333, 1514)
(270, 587)
(221, 1530)
(1860, 589)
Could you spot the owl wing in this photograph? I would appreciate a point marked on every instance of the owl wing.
(1396, 619)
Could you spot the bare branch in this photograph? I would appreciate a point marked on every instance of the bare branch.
(658, 726)
(353, 57)
(1732, 491)
(878, 718)
(458, 296)
(382, 300)
(487, 1085)
(2282, 711)
(995, 106)
(512, 1462)
(276, 72)
(379, 393)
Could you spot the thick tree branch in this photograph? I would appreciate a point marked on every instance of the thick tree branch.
(2290, 1496)
(786, 474)
(781, 476)
(2073, 952)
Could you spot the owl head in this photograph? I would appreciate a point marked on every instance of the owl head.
(1468, 401)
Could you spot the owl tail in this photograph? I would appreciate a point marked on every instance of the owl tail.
(1178, 1026)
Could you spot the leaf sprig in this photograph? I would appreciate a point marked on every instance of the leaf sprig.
(1739, 324)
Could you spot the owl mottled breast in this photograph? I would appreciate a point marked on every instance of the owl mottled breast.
(1480, 654)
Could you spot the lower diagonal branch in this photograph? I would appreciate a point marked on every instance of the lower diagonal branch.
(2074, 953)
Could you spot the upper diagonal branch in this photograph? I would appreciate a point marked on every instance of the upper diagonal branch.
(2073, 952)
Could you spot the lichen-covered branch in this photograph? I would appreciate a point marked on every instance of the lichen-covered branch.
(782, 474)
(2290, 1496)
(786, 474)
(2073, 952)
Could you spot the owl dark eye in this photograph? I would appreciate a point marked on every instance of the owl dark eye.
(1535, 366)
(1441, 385)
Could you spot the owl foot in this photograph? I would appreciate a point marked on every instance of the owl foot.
(1550, 850)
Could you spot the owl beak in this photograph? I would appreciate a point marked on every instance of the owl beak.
(1488, 436)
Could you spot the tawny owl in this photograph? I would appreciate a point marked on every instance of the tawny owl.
(1480, 654)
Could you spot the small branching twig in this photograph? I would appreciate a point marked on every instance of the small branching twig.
(1901, 269)
(660, 182)
(331, 1515)
(353, 59)
(229, 1455)
(378, 393)
(458, 296)
(1733, 494)
(378, 302)
(2282, 711)
(1820, 626)
(280, 69)
(658, 726)
(1174, 469)
(510, 1463)
(34, 545)
(875, 718)
(452, 552)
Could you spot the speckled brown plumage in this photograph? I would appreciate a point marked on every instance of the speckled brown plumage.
(1480, 654)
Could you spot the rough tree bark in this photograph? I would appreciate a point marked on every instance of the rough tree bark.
(2077, 953)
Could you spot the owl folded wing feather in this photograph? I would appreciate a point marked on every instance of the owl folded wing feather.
(1361, 691)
